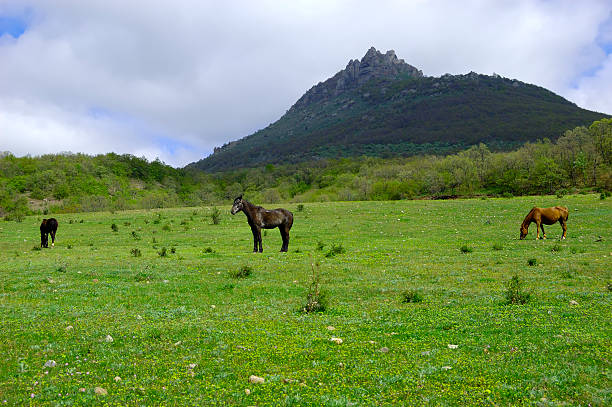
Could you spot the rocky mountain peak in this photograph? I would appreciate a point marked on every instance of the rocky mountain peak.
(374, 64)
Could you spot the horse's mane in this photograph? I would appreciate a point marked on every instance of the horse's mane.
(529, 216)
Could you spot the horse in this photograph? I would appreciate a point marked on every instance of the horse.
(48, 226)
(259, 218)
(545, 216)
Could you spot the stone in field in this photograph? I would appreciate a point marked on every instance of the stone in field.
(337, 341)
(108, 338)
(256, 379)
(451, 346)
(100, 391)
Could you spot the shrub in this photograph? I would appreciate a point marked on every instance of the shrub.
(69, 246)
(242, 272)
(142, 276)
(208, 250)
(532, 262)
(409, 296)
(215, 216)
(515, 293)
(300, 207)
(173, 250)
(136, 252)
(316, 300)
(466, 249)
(334, 250)
(602, 196)
(561, 193)
(114, 227)
(163, 252)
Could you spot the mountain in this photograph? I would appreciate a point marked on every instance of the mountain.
(382, 106)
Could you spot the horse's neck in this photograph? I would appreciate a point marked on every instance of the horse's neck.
(529, 218)
(248, 209)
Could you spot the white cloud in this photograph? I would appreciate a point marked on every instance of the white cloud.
(201, 73)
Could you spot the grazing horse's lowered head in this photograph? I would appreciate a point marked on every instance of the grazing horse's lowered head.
(48, 226)
(545, 216)
(261, 218)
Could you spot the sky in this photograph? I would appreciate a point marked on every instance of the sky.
(173, 79)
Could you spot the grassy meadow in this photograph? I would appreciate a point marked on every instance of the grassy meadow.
(151, 313)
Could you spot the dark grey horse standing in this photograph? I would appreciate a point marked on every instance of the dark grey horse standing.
(48, 226)
(260, 218)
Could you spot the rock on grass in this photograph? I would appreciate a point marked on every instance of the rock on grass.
(256, 379)
(100, 391)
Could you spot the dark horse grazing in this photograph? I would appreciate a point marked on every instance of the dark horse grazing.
(48, 226)
(259, 218)
(545, 216)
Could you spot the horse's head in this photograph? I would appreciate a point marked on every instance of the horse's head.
(238, 205)
(524, 232)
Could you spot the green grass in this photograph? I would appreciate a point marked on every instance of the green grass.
(184, 332)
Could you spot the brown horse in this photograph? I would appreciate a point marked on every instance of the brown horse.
(545, 216)
(259, 218)
(48, 226)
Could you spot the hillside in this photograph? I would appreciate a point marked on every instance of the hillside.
(382, 106)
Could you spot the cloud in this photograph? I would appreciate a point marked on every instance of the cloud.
(174, 79)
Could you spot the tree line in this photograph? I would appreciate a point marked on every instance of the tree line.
(580, 160)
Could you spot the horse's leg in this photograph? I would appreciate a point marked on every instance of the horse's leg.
(564, 227)
(285, 237)
(260, 242)
(255, 239)
(53, 238)
(543, 233)
(537, 230)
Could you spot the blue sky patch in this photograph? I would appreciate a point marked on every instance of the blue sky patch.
(13, 26)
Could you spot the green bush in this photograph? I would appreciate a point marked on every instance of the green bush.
(412, 296)
(335, 249)
(114, 227)
(242, 272)
(466, 249)
(215, 216)
(136, 252)
(316, 299)
(532, 262)
(515, 293)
